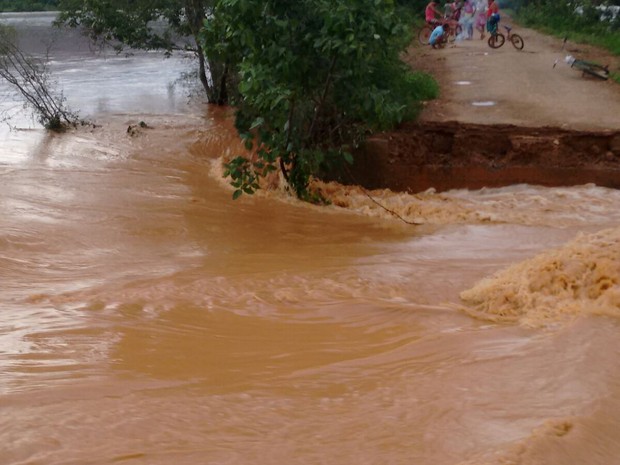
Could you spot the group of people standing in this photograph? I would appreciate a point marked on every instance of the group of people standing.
(471, 14)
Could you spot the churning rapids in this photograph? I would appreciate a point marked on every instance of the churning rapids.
(146, 318)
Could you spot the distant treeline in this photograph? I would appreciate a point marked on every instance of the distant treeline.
(28, 5)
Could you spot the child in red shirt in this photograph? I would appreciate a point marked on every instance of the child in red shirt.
(432, 14)
(492, 16)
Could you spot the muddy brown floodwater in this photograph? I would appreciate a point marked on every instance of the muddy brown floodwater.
(147, 318)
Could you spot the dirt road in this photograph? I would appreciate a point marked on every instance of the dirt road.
(521, 87)
(504, 117)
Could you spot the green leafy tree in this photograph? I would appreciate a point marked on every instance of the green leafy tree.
(150, 24)
(315, 77)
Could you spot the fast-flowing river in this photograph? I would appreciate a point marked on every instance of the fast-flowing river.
(147, 318)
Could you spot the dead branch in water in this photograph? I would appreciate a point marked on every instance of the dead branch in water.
(30, 78)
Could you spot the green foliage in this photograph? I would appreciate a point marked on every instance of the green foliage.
(151, 25)
(416, 6)
(28, 5)
(315, 77)
(126, 22)
(561, 19)
(244, 175)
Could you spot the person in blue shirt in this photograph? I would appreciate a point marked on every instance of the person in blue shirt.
(436, 37)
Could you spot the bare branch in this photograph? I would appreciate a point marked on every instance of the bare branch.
(29, 76)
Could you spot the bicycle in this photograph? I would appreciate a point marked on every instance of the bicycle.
(590, 68)
(453, 29)
(497, 39)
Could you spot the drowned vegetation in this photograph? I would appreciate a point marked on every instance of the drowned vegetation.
(29, 77)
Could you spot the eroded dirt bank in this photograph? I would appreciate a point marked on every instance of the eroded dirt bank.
(447, 155)
(503, 117)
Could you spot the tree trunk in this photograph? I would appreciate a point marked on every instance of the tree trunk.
(202, 74)
(216, 86)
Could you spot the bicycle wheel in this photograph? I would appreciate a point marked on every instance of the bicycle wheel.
(517, 41)
(597, 72)
(496, 40)
(423, 34)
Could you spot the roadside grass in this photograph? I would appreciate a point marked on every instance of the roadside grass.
(563, 22)
(608, 41)
(560, 20)
(421, 85)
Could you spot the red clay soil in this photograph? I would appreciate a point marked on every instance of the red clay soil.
(504, 117)
(448, 155)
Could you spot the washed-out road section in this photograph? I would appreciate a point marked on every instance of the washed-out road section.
(504, 117)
